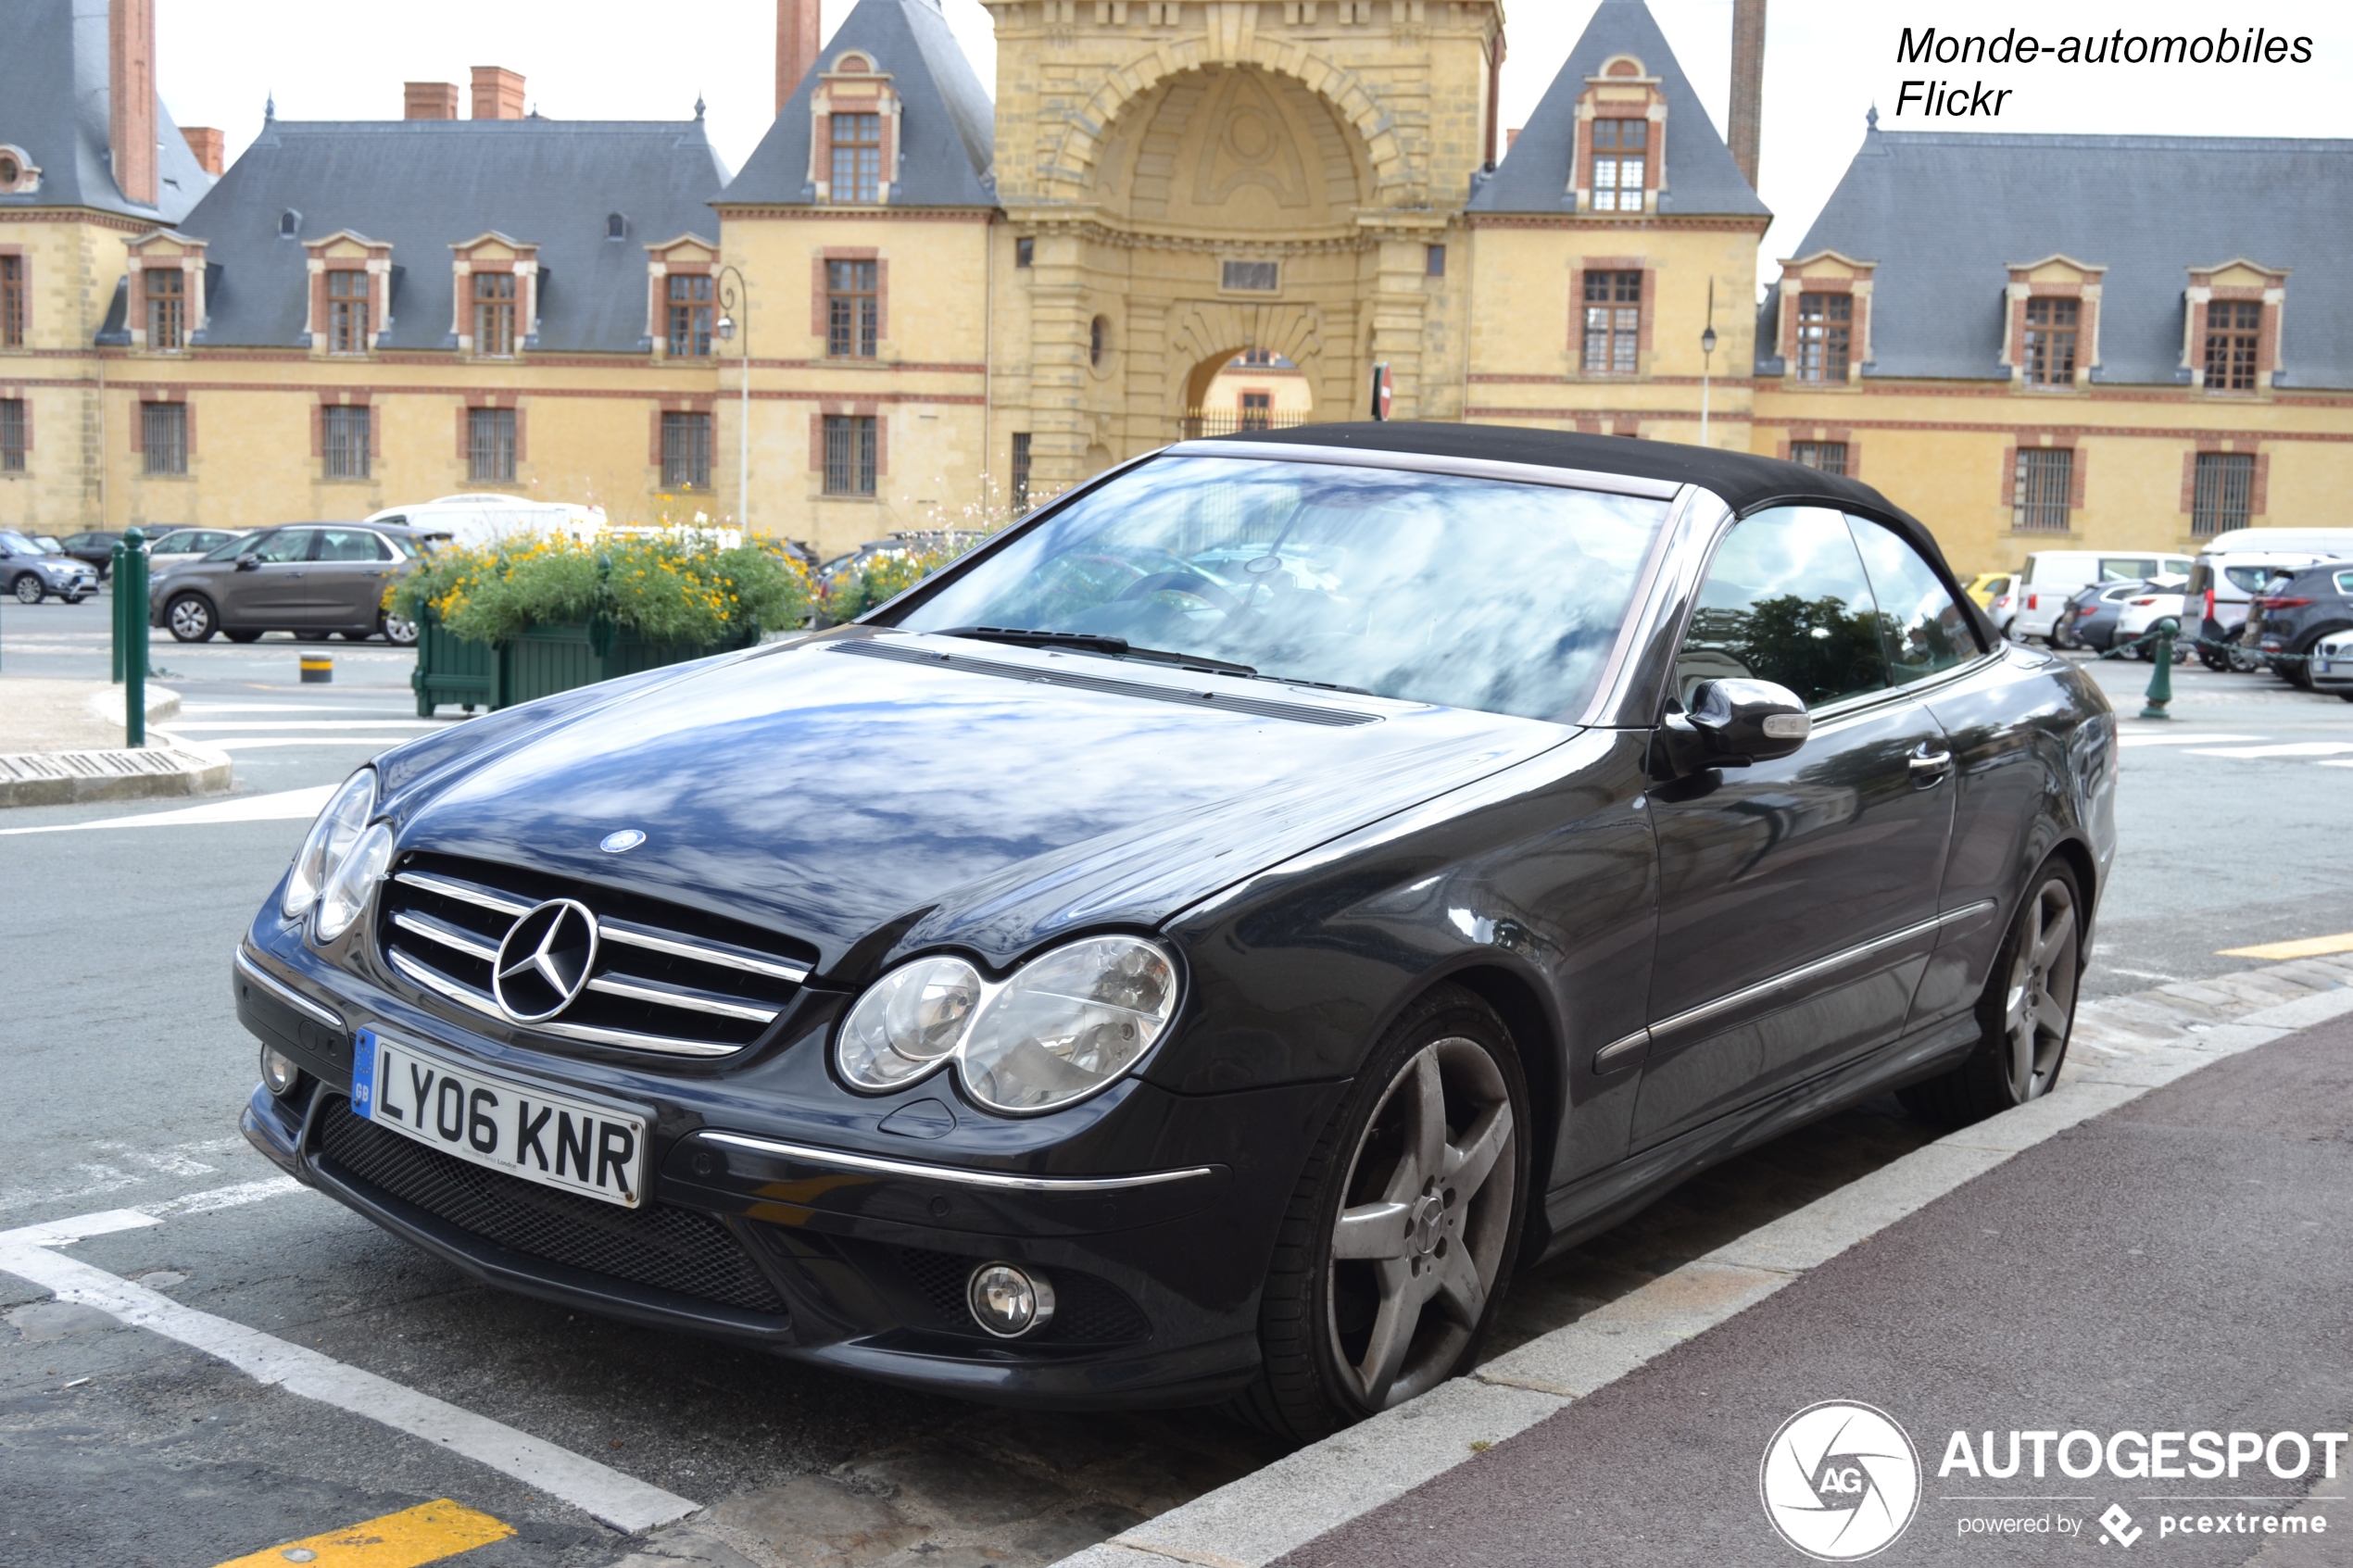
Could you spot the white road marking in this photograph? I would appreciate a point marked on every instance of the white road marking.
(2131, 738)
(313, 724)
(286, 805)
(2285, 748)
(381, 739)
(621, 1500)
(403, 708)
(213, 1199)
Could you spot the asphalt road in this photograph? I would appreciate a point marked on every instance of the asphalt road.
(122, 1068)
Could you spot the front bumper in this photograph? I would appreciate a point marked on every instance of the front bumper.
(814, 1235)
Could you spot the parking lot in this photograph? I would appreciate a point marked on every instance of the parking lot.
(123, 1069)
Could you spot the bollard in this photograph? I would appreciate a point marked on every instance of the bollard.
(317, 669)
(2160, 690)
(131, 590)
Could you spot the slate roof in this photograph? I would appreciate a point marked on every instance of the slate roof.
(947, 124)
(1944, 213)
(55, 102)
(1701, 176)
(423, 185)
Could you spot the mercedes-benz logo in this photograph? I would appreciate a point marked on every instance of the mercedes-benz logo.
(545, 961)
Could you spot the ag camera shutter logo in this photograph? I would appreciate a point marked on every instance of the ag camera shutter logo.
(1841, 1481)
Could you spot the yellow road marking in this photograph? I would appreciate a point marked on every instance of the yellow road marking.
(2309, 948)
(415, 1536)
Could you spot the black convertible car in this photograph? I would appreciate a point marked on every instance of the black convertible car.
(1198, 946)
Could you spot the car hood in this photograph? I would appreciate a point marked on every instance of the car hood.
(872, 795)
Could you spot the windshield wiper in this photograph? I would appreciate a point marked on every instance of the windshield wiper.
(1096, 642)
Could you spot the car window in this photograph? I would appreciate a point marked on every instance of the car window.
(178, 542)
(286, 544)
(348, 544)
(15, 545)
(2137, 568)
(1923, 630)
(228, 549)
(1474, 592)
(2345, 581)
(2248, 578)
(1786, 600)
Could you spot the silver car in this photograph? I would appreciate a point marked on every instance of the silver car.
(33, 573)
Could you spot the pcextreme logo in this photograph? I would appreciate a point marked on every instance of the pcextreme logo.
(1841, 1481)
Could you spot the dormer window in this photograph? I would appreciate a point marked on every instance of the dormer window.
(616, 226)
(494, 299)
(853, 132)
(857, 144)
(2234, 343)
(1824, 335)
(350, 277)
(1621, 157)
(2050, 341)
(289, 224)
(347, 311)
(2231, 334)
(167, 291)
(689, 315)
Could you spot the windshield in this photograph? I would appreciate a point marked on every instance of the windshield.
(16, 543)
(1472, 593)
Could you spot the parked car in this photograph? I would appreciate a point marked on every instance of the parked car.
(2139, 612)
(1987, 586)
(2233, 567)
(2333, 665)
(472, 521)
(33, 573)
(314, 580)
(95, 546)
(179, 546)
(2051, 577)
(1171, 991)
(2295, 610)
(2089, 620)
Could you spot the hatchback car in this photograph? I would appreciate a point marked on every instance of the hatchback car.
(180, 546)
(2297, 609)
(1073, 985)
(311, 579)
(95, 546)
(33, 573)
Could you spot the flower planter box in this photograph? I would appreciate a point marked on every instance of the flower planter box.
(540, 662)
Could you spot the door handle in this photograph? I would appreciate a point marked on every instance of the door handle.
(1927, 767)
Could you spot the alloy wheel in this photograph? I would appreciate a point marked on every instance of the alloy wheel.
(1425, 1213)
(191, 619)
(28, 589)
(400, 632)
(2041, 1001)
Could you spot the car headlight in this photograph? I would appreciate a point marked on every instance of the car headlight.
(1067, 1023)
(348, 892)
(331, 836)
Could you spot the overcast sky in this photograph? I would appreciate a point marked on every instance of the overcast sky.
(1827, 61)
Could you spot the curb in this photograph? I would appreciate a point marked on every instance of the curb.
(62, 778)
(2128, 1045)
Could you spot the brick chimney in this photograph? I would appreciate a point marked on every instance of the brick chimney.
(205, 142)
(131, 92)
(1748, 85)
(497, 94)
(796, 45)
(429, 100)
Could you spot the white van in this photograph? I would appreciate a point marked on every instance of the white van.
(472, 521)
(2233, 568)
(2049, 576)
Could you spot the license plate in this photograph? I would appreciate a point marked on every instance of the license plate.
(501, 1123)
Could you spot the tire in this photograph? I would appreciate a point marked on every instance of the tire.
(400, 632)
(1440, 1105)
(190, 618)
(312, 636)
(27, 588)
(2213, 660)
(75, 598)
(2026, 1013)
(243, 634)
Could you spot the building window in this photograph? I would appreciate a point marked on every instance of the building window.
(1825, 325)
(1613, 322)
(163, 433)
(12, 441)
(347, 441)
(690, 314)
(2233, 327)
(1021, 471)
(167, 315)
(1024, 252)
(850, 454)
(2045, 475)
(1262, 357)
(1097, 329)
(1434, 261)
(12, 302)
(1255, 276)
(2225, 494)
(857, 142)
(1828, 456)
(346, 312)
(1258, 411)
(2050, 341)
(494, 314)
(686, 451)
(490, 445)
(854, 309)
(1621, 153)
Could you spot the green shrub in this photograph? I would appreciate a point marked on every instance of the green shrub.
(666, 588)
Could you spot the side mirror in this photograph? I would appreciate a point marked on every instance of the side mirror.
(1736, 722)
(248, 564)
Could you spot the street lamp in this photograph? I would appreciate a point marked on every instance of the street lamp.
(1707, 360)
(734, 296)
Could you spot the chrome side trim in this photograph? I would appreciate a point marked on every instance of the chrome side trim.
(446, 935)
(468, 892)
(1797, 976)
(286, 993)
(639, 990)
(1616, 1048)
(663, 1045)
(876, 1165)
(442, 985)
(1967, 914)
(1423, 462)
(724, 954)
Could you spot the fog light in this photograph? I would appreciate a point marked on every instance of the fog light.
(279, 1071)
(1007, 1301)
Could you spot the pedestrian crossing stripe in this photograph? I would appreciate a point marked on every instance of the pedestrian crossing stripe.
(427, 1533)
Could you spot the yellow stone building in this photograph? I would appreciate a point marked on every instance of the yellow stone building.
(1172, 217)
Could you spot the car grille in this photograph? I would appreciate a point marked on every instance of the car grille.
(675, 1249)
(666, 979)
(1087, 1311)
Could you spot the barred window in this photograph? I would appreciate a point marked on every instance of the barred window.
(849, 456)
(163, 432)
(1021, 471)
(494, 314)
(2050, 341)
(167, 301)
(1825, 325)
(490, 445)
(2224, 496)
(857, 158)
(690, 314)
(346, 312)
(12, 441)
(1613, 322)
(2234, 329)
(12, 303)
(1828, 456)
(854, 309)
(686, 451)
(2039, 502)
(346, 435)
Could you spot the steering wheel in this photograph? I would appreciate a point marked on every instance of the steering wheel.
(1191, 584)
